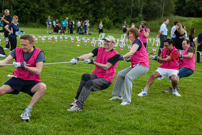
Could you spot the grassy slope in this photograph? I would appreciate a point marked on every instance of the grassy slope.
(158, 113)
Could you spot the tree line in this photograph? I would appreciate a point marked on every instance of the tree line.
(111, 12)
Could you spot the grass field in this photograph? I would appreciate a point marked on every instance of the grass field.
(157, 113)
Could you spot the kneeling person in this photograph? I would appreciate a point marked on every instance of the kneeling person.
(102, 77)
(169, 67)
(29, 62)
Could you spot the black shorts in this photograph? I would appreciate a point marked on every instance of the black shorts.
(63, 28)
(100, 30)
(21, 85)
(125, 30)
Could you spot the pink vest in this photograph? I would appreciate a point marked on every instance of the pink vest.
(140, 56)
(171, 64)
(189, 63)
(102, 57)
(142, 37)
(23, 73)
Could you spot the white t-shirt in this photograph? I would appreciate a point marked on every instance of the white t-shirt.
(164, 29)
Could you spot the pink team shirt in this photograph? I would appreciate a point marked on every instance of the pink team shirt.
(142, 37)
(102, 57)
(23, 73)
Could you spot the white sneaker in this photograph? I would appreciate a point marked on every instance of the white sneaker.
(176, 94)
(142, 94)
(116, 97)
(125, 103)
(74, 103)
(74, 108)
(5, 48)
(25, 115)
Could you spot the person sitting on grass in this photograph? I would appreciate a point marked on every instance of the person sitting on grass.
(102, 77)
(27, 77)
(169, 58)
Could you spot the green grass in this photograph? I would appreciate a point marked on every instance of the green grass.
(157, 113)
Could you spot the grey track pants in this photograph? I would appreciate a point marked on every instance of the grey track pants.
(88, 84)
(126, 77)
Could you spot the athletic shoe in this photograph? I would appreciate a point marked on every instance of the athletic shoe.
(116, 97)
(142, 94)
(1, 55)
(125, 103)
(74, 108)
(25, 115)
(72, 104)
(6, 48)
(176, 94)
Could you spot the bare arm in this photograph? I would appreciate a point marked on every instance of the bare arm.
(86, 56)
(132, 51)
(103, 66)
(160, 32)
(7, 28)
(35, 70)
(189, 55)
(165, 59)
(2, 19)
(198, 42)
(6, 60)
(146, 34)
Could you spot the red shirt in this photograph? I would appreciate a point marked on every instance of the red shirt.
(175, 55)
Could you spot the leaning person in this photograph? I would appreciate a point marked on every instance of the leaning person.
(102, 77)
(26, 78)
(139, 66)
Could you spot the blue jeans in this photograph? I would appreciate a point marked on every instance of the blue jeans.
(185, 72)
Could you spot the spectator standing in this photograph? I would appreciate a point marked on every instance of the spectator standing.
(199, 48)
(191, 37)
(13, 29)
(100, 27)
(185, 36)
(125, 26)
(179, 32)
(54, 25)
(48, 23)
(71, 26)
(132, 25)
(67, 23)
(172, 31)
(163, 33)
(64, 24)
(6, 19)
(78, 26)
(144, 33)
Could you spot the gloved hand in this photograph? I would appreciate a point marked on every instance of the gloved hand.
(180, 58)
(89, 61)
(19, 64)
(156, 57)
(121, 57)
(74, 60)
(128, 59)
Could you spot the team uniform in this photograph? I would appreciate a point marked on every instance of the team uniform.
(139, 66)
(100, 79)
(143, 38)
(170, 67)
(22, 79)
(187, 65)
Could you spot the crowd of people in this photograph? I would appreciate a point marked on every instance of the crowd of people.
(67, 26)
(174, 65)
